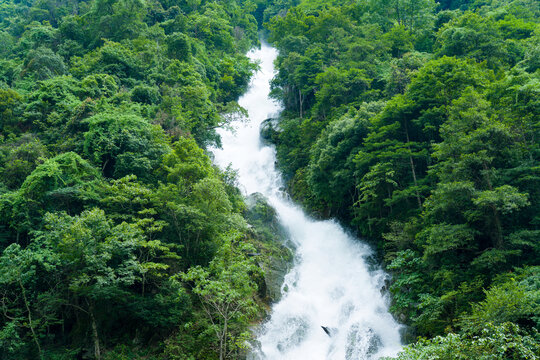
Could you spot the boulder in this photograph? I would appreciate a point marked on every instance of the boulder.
(273, 254)
(270, 130)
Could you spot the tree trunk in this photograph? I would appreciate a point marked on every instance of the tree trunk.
(498, 228)
(412, 168)
(398, 13)
(223, 345)
(488, 179)
(95, 336)
(498, 238)
(30, 322)
(301, 102)
(389, 192)
(414, 179)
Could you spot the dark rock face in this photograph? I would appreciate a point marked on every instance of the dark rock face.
(275, 272)
(275, 257)
(270, 130)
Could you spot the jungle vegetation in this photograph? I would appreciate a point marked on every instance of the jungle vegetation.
(118, 237)
(414, 122)
(417, 124)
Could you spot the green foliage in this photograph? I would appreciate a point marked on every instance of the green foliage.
(414, 15)
(122, 144)
(331, 172)
(106, 196)
(64, 182)
(116, 20)
(505, 341)
(179, 46)
(418, 126)
(20, 159)
(511, 301)
(43, 64)
(112, 58)
(145, 94)
(67, 170)
(101, 257)
(9, 102)
(98, 85)
(186, 162)
(226, 290)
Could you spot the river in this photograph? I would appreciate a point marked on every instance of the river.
(330, 283)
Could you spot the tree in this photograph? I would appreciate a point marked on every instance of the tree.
(98, 212)
(331, 173)
(179, 46)
(472, 36)
(9, 102)
(506, 341)
(19, 268)
(98, 261)
(63, 182)
(414, 15)
(43, 63)
(337, 87)
(513, 300)
(226, 291)
(122, 144)
(21, 159)
(116, 20)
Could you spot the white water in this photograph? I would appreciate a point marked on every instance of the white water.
(330, 283)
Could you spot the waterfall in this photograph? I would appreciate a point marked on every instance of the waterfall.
(330, 283)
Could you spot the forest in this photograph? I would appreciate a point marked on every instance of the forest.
(417, 124)
(413, 122)
(118, 237)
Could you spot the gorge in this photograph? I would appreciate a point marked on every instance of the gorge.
(330, 283)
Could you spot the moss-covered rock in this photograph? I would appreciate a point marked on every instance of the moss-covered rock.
(270, 130)
(274, 253)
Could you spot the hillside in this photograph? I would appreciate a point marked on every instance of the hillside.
(417, 124)
(414, 123)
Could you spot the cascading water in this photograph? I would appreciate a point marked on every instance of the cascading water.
(330, 284)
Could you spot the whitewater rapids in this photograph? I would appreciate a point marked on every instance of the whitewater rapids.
(330, 283)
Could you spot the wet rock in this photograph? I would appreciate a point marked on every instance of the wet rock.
(270, 130)
(258, 210)
(295, 332)
(362, 343)
(274, 257)
(275, 271)
(255, 352)
(408, 335)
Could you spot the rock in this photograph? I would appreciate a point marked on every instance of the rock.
(258, 208)
(294, 333)
(362, 343)
(408, 335)
(273, 255)
(274, 273)
(270, 130)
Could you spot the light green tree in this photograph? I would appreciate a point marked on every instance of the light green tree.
(226, 289)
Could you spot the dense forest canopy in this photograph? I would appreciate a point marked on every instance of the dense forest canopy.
(415, 122)
(116, 231)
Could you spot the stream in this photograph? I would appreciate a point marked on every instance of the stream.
(330, 283)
